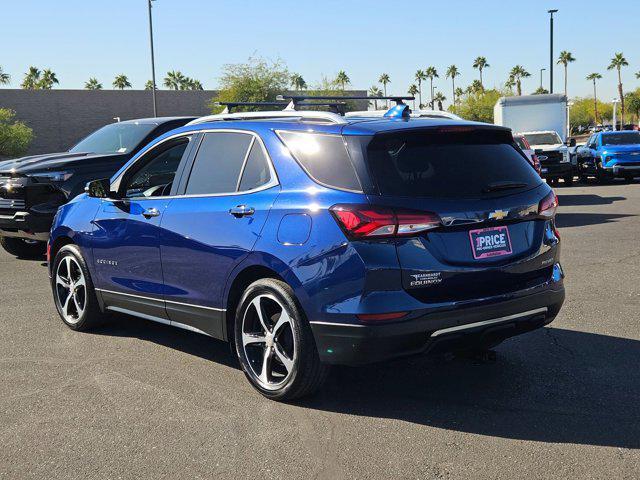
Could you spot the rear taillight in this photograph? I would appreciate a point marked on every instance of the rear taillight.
(365, 221)
(380, 317)
(548, 205)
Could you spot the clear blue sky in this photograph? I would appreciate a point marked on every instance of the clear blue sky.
(83, 38)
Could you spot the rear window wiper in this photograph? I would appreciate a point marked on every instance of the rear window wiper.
(506, 185)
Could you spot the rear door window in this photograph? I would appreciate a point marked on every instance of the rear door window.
(466, 164)
(218, 163)
(324, 158)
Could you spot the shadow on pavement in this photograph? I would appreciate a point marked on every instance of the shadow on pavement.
(564, 219)
(589, 199)
(551, 385)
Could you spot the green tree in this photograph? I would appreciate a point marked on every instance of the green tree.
(5, 78)
(582, 113)
(48, 80)
(174, 80)
(385, 80)
(478, 106)
(517, 74)
(374, 91)
(93, 84)
(593, 77)
(618, 61)
(633, 104)
(15, 136)
(509, 84)
(431, 73)
(342, 79)
(413, 91)
(565, 59)
(439, 98)
(253, 81)
(458, 93)
(195, 84)
(297, 82)
(480, 63)
(148, 85)
(121, 82)
(475, 88)
(540, 91)
(31, 79)
(420, 76)
(452, 73)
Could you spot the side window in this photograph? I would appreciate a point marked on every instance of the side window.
(324, 158)
(218, 163)
(155, 177)
(256, 171)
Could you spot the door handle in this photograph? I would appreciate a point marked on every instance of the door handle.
(241, 211)
(151, 212)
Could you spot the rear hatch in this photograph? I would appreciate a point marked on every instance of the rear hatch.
(492, 239)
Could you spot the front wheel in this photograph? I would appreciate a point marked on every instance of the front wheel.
(23, 247)
(274, 342)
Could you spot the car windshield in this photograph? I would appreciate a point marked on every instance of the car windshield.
(450, 165)
(115, 138)
(629, 138)
(547, 138)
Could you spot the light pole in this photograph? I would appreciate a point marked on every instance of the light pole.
(615, 119)
(153, 63)
(541, 70)
(551, 12)
(569, 105)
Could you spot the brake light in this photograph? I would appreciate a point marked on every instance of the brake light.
(365, 221)
(48, 252)
(548, 205)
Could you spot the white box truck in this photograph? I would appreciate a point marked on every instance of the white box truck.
(542, 120)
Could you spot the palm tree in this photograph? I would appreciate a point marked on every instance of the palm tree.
(517, 74)
(509, 84)
(196, 85)
(148, 85)
(452, 73)
(384, 79)
(617, 62)
(475, 87)
(420, 76)
(374, 91)
(31, 79)
(5, 78)
(342, 79)
(565, 59)
(174, 80)
(121, 82)
(48, 80)
(480, 63)
(413, 91)
(593, 77)
(298, 82)
(431, 73)
(439, 98)
(458, 93)
(93, 84)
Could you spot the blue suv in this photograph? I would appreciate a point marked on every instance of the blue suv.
(607, 155)
(308, 239)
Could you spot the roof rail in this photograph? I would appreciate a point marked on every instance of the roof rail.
(297, 99)
(300, 115)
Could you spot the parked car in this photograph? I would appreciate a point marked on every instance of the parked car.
(528, 151)
(309, 239)
(608, 155)
(32, 188)
(555, 161)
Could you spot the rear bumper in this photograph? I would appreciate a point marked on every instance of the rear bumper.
(437, 332)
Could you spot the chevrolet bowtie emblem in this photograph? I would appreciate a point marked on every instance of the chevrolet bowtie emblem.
(498, 215)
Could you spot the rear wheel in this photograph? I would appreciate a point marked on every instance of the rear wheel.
(24, 248)
(73, 291)
(274, 342)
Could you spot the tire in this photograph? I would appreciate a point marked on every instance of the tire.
(568, 180)
(80, 310)
(284, 344)
(23, 248)
(602, 176)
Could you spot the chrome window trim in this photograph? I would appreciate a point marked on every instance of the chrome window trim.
(161, 300)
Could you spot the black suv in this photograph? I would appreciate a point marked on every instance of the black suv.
(32, 188)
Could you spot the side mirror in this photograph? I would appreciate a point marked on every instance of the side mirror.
(99, 188)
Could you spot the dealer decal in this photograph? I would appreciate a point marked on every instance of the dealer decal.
(490, 242)
(425, 279)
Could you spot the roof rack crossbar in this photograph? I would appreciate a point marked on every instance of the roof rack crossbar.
(296, 99)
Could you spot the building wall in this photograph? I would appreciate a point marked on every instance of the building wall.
(60, 118)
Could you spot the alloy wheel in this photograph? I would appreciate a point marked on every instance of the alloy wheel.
(268, 342)
(71, 289)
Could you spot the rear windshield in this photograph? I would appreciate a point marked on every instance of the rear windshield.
(549, 138)
(630, 138)
(470, 164)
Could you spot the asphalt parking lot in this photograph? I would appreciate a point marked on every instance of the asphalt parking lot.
(137, 399)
